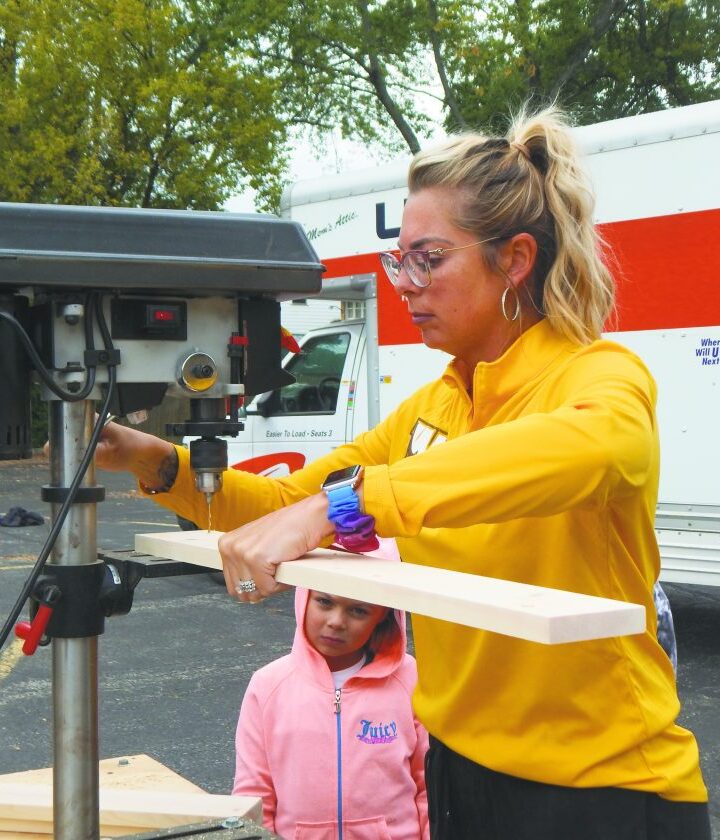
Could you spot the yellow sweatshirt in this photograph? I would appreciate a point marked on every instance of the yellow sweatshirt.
(547, 475)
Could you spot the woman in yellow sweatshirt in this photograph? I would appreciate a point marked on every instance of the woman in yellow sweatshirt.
(534, 458)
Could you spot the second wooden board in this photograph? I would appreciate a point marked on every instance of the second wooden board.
(534, 613)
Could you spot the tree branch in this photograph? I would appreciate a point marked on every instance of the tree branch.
(450, 100)
(376, 77)
(603, 21)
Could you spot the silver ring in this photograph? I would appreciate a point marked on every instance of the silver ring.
(245, 586)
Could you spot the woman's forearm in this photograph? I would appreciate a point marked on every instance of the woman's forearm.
(156, 465)
(150, 459)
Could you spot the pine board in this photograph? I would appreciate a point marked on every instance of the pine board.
(26, 806)
(533, 613)
(29, 808)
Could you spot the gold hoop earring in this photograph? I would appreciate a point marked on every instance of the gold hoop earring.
(503, 304)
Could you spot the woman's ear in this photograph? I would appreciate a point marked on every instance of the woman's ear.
(517, 258)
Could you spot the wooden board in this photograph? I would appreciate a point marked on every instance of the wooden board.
(534, 613)
(140, 772)
(137, 794)
(25, 807)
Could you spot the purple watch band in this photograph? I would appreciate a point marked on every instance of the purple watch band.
(354, 530)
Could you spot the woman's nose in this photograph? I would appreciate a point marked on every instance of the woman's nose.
(403, 283)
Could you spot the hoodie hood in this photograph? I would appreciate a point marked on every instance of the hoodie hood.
(386, 660)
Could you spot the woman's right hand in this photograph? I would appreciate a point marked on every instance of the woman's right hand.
(118, 447)
(152, 460)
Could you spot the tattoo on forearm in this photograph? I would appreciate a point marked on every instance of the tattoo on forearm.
(168, 469)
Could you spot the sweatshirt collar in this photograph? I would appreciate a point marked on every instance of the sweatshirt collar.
(523, 361)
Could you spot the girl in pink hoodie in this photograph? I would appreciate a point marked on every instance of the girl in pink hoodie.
(327, 736)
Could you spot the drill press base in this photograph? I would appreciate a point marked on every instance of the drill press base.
(224, 830)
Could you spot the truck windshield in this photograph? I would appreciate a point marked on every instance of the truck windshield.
(318, 372)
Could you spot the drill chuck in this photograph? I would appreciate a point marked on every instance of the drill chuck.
(208, 460)
(208, 482)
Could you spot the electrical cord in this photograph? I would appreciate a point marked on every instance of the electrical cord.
(39, 365)
(95, 307)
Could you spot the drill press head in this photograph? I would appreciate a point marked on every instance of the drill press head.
(208, 460)
(190, 303)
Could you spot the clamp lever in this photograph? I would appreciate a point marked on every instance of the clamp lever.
(33, 631)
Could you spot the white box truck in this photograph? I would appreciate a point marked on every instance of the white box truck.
(657, 179)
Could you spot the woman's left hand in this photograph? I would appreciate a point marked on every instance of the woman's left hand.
(253, 551)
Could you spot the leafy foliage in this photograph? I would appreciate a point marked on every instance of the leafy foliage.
(179, 103)
(347, 64)
(145, 103)
(600, 59)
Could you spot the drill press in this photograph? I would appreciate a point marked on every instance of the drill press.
(126, 307)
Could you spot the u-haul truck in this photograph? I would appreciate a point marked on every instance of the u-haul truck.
(657, 179)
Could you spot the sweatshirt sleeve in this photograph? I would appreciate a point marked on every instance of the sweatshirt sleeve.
(597, 443)
(252, 773)
(246, 496)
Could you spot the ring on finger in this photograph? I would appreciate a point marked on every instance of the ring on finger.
(244, 587)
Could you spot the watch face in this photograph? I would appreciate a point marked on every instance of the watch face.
(343, 475)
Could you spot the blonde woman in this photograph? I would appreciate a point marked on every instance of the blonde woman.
(543, 468)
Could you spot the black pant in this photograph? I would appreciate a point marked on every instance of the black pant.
(469, 802)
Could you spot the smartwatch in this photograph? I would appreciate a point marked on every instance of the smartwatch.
(354, 530)
(346, 477)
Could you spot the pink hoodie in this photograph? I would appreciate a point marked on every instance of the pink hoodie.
(327, 768)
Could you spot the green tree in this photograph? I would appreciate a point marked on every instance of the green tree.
(179, 103)
(355, 65)
(359, 65)
(150, 103)
(601, 59)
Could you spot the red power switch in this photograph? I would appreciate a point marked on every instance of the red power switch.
(33, 631)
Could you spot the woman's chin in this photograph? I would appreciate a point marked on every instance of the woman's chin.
(433, 341)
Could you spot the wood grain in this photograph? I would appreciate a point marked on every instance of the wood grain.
(534, 613)
(137, 794)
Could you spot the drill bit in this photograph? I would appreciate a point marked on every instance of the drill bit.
(208, 499)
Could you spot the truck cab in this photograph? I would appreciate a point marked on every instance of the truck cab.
(325, 406)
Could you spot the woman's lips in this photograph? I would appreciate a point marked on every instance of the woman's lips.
(419, 318)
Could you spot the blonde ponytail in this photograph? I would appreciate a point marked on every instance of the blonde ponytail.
(578, 290)
(531, 181)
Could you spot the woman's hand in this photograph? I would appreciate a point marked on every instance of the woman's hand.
(252, 552)
(152, 460)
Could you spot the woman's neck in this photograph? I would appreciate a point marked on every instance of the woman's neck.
(491, 350)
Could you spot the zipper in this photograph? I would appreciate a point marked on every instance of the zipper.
(338, 731)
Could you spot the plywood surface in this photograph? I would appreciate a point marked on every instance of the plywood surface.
(136, 796)
(126, 771)
(534, 613)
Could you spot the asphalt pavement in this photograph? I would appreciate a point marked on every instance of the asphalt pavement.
(173, 671)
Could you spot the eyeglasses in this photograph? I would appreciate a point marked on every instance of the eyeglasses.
(419, 263)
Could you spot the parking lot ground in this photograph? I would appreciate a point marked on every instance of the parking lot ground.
(172, 673)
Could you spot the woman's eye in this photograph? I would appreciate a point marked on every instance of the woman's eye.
(419, 266)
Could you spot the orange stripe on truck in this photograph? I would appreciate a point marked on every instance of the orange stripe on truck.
(668, 276)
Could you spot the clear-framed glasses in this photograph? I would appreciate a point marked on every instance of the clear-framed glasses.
(419, 264)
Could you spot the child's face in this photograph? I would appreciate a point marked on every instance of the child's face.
(339, 628)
